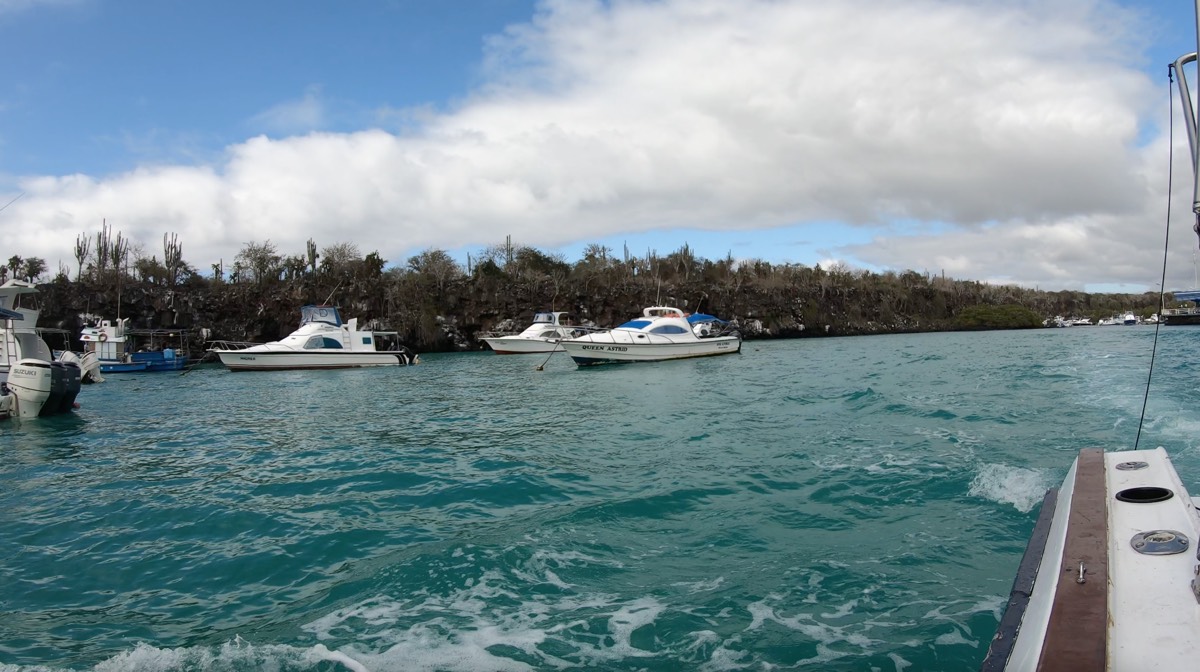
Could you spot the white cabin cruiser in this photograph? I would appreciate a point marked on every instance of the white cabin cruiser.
(1110, 579)
(32, 383)
(323, 341)
(662, 332)
(541, 336)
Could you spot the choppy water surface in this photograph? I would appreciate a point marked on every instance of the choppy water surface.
(826, 504)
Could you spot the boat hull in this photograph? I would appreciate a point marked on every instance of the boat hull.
(515, 345)
(247, 360)
(1181, 320)
(121, 367)
(591, 352)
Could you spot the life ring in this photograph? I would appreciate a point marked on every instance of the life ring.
(103, 337)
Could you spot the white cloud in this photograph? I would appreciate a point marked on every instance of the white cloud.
(294, 116)
(1015, 125)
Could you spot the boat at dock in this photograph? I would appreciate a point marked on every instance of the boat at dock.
(661, 333)
(322, 341)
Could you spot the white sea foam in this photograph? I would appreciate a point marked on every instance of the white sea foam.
(1020, 487)
(703, 586)
(235, 655)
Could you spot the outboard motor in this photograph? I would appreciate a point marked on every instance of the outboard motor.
(30, 381)
(58, 389)
(71, 385)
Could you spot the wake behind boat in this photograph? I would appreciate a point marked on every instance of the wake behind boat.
(1110, 579)
(322, 341)
(661, 333)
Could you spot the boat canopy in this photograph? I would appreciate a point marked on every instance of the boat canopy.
(701, 317)
(324, 314)
(7, 314)
(1190, 295)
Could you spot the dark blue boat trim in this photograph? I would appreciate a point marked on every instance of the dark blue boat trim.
(1022, 588)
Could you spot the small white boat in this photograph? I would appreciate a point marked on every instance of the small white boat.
(662, 332)
(322, 341)
(541, 336)
(1129, 318)
(32, 382)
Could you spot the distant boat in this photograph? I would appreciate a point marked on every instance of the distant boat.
(1081, 322)
(1174, 317)
(661, 333)
(1129, 318)
(322, 341)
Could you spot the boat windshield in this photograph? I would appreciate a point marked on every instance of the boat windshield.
(634, 324)
(543, 318)
(323, 314)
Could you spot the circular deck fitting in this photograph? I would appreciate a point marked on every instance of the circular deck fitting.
(1145, 495)
(1159, 542)
(1132, 466)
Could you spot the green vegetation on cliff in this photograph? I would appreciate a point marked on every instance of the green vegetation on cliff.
(438, 304)
(998, 317)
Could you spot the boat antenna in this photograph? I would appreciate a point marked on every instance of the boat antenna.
(12, 201)
(330, 297)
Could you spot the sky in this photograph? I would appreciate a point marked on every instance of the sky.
(1029, 142)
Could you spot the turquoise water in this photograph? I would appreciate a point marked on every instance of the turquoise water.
(824, 504)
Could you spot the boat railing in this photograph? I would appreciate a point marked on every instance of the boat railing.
(1190, 310)
(229, 345)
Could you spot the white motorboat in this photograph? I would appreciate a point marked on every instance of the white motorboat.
(322, 341)
(1110, 579)
(32, 382)
(662, 332)
(1128, 319)
(541, 336)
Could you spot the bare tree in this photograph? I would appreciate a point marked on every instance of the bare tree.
(261, 259)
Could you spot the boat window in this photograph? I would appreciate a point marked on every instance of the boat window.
(319, 342)
(366, 340)
(543, 318)
(669, 329)
(549, 333)
(634, 324)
